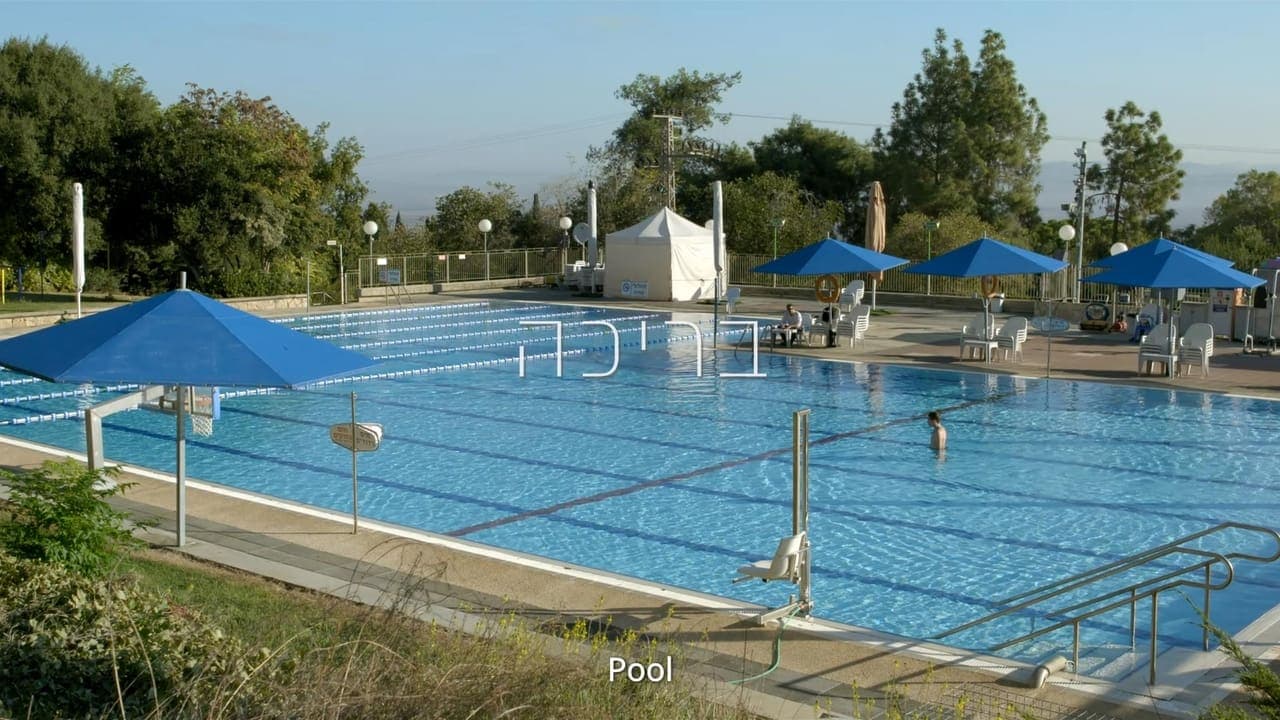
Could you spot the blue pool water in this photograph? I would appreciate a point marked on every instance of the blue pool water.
(661, 474)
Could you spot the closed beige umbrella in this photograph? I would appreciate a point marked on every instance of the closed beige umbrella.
(875, 231)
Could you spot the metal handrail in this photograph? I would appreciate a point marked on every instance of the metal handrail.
(1136, 591)
(1132, 601)
(1154, 553)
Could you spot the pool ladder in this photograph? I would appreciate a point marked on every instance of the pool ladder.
(1074, 614)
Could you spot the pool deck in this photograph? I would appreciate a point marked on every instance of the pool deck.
(821, 663)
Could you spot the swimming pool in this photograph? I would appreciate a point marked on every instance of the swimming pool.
(658, 473)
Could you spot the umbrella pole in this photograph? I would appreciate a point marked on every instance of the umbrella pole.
(873, 293)
(180, 472)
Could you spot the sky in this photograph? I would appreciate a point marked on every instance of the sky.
(444, 94)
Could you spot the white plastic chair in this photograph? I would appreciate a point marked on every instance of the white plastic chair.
(1010, 337)
(1196, 347)
(807, 330)
(975, 335)
(785, 564)
(851, 296)
(731, 297)
(1155, 349)
(855, 325)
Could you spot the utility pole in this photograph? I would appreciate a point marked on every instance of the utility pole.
(1082, 156)
(689, 148)
(669, 157)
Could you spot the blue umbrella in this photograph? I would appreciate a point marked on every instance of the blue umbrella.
(1150, 249)
(829, 257)
(1175, 267)
(986, 256)
(180, 338)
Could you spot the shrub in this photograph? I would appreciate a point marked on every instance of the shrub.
(58, 514)
(76, 646)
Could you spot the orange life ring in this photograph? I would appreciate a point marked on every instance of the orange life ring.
(990, 285)
(828, 288)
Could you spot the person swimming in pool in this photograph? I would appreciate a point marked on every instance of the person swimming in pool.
(939, 440)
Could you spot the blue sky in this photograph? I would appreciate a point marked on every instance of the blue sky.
(446, 94)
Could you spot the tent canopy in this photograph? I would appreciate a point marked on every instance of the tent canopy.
(663, 257)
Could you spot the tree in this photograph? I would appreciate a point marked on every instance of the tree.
(829, 164)
(756, 205)
(964, 140)
(60, 122)
(640, 142)
(1141, 171)
(1243, 224)
(1009, 130)
(458, 214)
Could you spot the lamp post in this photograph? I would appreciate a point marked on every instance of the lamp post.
(778, 224)
(342, 272)
(370, 229)
(566, 222)
(485, 226)
(929, 229)
(1067, 234)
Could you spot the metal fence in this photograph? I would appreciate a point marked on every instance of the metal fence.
(439, 267)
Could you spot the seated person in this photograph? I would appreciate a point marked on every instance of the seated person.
(790, 325)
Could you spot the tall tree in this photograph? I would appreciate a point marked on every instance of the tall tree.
(58, 125)
(827, 163)
(640, 141)
(1008, 131)
(1141, 171)
(963, 139)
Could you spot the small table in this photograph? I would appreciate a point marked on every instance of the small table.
(988, 347)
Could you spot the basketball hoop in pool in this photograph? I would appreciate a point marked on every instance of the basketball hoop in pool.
(202, 404)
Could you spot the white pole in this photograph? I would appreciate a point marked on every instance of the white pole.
(355, 490)
(180, 471)
(77, 241)
(592, 246)
(717, 231)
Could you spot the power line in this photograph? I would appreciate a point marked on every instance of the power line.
(503, 138)
(1052, 138)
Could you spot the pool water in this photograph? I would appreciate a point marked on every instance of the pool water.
(665, 475)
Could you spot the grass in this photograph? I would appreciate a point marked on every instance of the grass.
(54, 302)
(353, 661)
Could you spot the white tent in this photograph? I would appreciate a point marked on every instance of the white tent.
(663, 257)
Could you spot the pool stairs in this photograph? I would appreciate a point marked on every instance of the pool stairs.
(1194, 570)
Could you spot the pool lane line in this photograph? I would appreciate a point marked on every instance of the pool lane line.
(658, 482)
(462, 499)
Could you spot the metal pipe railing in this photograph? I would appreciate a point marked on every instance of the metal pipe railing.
(1135, 591)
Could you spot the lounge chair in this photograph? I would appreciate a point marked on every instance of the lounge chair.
(1010, 337)
(1195, 348)
(975, 336)
(731, 297)
(1155, 349)
(785, 564)
(855, 324)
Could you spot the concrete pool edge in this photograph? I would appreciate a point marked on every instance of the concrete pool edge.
(1104, 690)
